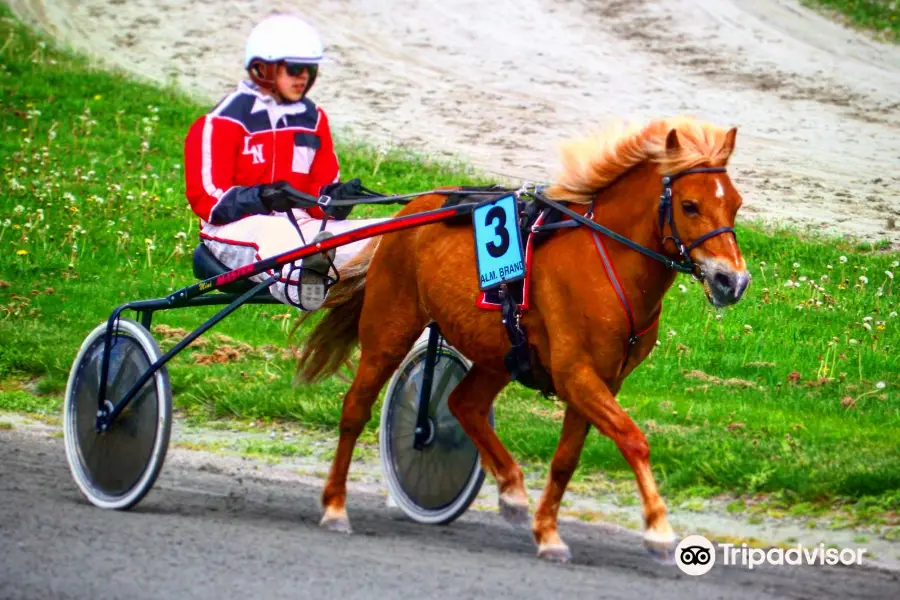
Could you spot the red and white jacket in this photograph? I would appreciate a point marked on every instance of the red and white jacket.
(249, 139)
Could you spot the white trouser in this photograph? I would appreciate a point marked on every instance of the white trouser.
(259, 237)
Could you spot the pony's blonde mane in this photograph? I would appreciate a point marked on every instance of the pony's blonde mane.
(592, 162)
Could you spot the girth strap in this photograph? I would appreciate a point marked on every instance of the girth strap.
(521, 362)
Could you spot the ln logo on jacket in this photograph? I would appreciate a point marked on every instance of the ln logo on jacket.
(248, 139)
(256, 151)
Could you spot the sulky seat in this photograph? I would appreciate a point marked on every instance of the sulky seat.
(206, 265)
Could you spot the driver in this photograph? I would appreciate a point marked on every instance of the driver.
(262, 138)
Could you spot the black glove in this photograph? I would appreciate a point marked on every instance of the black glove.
(276, 197)
(341, 191)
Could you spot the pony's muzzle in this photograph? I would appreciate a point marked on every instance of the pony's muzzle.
(725, 286)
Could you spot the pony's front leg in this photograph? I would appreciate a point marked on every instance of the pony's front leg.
(544, 526)
(585, 391)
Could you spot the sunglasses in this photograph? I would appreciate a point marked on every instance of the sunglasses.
(295, 69)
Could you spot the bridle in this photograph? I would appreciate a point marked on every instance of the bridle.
(667, 216)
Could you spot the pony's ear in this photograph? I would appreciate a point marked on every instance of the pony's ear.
(729, 141)
(672, 142)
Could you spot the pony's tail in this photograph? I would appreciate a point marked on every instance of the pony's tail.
(329, 344)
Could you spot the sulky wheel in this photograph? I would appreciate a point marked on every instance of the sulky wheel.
(434, 485)
(116, 468)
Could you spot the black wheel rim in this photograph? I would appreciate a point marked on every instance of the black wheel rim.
(434, 477)
(115, 461)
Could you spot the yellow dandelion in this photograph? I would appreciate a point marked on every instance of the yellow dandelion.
(21, 252)
(98, 97)
(73, 208)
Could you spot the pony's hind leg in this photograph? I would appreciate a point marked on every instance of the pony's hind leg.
(375, 368)
(568, 452)
(470, 402)
(383, 349)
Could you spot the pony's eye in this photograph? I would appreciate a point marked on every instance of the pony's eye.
(690, 209)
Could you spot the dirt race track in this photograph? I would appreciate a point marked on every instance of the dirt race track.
(499, 83)
(216, 527)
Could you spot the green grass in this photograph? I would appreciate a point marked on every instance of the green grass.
(793, 391)
(882, 17)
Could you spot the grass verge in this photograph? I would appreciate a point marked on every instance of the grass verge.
(793, 392)
(881, 17)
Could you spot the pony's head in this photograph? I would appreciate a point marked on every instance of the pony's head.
(697, 202)
(696, 220)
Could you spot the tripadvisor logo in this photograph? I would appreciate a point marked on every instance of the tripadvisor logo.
(695, 555)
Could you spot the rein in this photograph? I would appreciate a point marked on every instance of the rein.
(666, 217)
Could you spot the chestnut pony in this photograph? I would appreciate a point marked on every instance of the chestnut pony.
(577, 322)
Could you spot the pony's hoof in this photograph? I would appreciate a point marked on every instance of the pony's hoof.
(336, 523)
(514, 513)
(558, 553)
(661, 547)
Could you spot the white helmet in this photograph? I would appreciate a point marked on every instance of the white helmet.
(281, 38)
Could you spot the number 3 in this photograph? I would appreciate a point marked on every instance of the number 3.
(497, 213)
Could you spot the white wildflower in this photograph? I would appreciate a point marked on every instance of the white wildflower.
(843, 259)
(880, 385)
(681, 286)
(863, 279)
(890, 275)
(19, 209)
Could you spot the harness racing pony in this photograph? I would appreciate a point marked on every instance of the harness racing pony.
(594, 307)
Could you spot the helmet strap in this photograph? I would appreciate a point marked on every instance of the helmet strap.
(263, 74)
